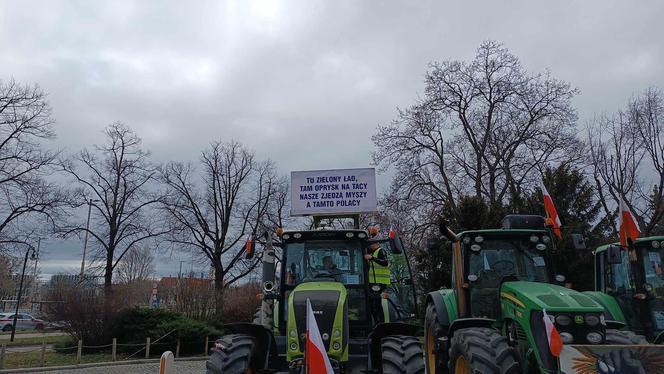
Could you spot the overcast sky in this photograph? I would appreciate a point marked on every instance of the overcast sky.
(302, 82)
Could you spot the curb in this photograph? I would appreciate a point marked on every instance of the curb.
(97, 364)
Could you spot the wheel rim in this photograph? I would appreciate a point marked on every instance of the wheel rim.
(431, 354)
(461, 366)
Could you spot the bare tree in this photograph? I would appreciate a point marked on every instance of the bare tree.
(25, 194)
(213, 212)
(485, 128)
(116, 180)
(627, 158)
(137, 265)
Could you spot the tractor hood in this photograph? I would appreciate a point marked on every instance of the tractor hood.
(538, 296)
(328, 303)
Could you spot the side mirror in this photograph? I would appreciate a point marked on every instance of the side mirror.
(614, 255)
(447, 233)
(432, 244)
(395, 244)
(578, 241)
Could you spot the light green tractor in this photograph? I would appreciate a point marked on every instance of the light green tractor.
(328, 268)
(492, 318)
(630, 285)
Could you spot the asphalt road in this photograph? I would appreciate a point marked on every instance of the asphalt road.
(181, 367)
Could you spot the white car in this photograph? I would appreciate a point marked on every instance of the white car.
(23, 322)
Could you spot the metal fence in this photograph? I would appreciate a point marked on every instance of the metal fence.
(142, 350)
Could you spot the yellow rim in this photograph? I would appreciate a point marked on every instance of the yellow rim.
(461, 366)
(431, 355)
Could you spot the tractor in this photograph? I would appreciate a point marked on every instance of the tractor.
(491, 320)
(630, 285)
(327, 267)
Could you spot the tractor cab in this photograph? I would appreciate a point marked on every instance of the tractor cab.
(635, 279)
(491, 256)
(317, 258)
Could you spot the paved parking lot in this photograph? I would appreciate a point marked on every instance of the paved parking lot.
(181, 367)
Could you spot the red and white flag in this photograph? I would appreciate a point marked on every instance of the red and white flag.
(315, 355)
(628, 227)
(552, 335)
(551, 212)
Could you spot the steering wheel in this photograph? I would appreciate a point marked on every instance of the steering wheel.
(504, 267)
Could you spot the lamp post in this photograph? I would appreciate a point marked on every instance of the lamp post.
(85, 242)
(20, 289)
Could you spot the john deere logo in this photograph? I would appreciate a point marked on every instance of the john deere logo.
(578, 320)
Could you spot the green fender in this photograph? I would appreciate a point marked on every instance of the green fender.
(612, 311)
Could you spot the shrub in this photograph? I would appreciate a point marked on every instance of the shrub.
(240, 303)
(133, 325)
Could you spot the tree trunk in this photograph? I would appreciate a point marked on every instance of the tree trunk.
(218, 290)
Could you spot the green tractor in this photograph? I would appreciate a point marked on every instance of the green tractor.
(365, 329)
(630, 285)
(492, 318)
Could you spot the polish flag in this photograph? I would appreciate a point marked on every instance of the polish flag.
(628, 227)
(551, 212)
(315, 355)
(555, 341)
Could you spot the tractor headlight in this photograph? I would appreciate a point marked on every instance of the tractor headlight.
(286, 236)
(534, 238)
(541, 247)
(293, 346)
(479, 239)
(594, 337)
(336, 333)
(566, 337)
(546, 239)
(336, 346)
(592, 320)
(475, 248)
(655, 244)
(563, 320)
(293, 333)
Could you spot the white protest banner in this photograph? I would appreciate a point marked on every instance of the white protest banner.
(333, 192)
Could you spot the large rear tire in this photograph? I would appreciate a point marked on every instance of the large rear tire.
(402, 355)
(234, 356)
(482, 350)
(624, 337)
(434, 359)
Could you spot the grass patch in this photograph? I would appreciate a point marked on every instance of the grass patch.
(48, 339)
(33, 359)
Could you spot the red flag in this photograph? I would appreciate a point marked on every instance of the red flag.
(628, 227)
(551, 212)
(552, 335)
(315, 355)
(392, 233)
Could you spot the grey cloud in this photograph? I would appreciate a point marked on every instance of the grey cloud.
(302, 82)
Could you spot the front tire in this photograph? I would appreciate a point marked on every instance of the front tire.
(433, 359)
(482, 350)
(234, 355)
(402, 355)
(624, 337)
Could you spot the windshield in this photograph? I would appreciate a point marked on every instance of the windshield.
(319, 260)
(497, 258)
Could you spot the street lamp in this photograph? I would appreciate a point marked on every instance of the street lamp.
(20, 289)
(85, 242)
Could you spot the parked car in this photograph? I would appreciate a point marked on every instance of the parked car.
(23, 322)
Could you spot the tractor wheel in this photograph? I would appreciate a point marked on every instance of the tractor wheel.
(433, 359)
(482, 350)
(234, 355)
(624, 337)
(402, 355)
